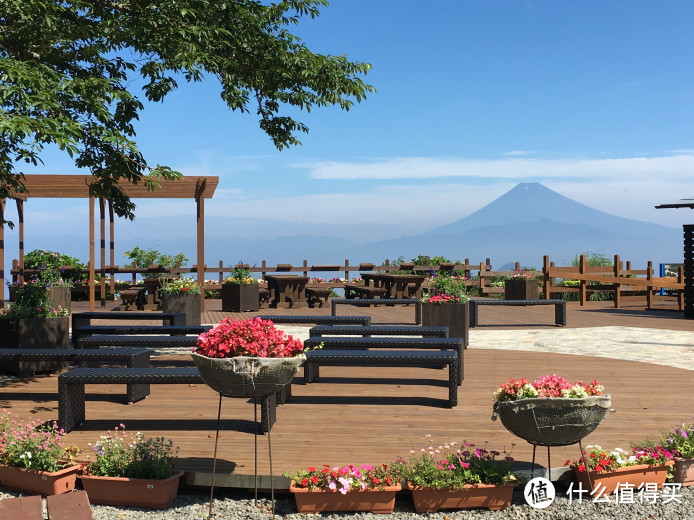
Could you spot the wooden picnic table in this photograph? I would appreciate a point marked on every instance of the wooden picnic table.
(287, 291)
(396, 285)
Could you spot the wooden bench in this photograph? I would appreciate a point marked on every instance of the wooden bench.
(360, 358)
(136, 340)
(317, 296)
(353, 291)
(389, 343)
(379, 301)
(134, 295)
(172, 330)
(263, 298)
(559, 308)
(132, 357)
(82, 319)
(71, 393)
(324, 320)
(379, 330)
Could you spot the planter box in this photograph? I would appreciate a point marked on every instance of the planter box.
(489, 496)
(373, 500)
(59, 296)
(188, 304)
(34, 333)
(455, 316)
(43, 483)
(131, 492)
(237, 297)
(633, 475)
(521, 290)
(683, 472)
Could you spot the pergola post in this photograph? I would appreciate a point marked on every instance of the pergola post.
(200, 224)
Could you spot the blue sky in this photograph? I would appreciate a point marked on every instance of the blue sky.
(593, 99)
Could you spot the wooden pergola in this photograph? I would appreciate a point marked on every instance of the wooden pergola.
(688, 230)
(77, 186)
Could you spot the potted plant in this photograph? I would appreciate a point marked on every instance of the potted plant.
(33, 459)
(522, 285)
(457, 476)
(346, 488)
(445, 304)
(550, 411)
(240, 291)
(182, 295)
(247, 358)
(647, 464)
(680, 440)
(129, 470)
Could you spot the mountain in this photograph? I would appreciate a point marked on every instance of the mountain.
(530, 221)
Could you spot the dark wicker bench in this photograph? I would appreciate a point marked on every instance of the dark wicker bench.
(71, 394)
(82, 319)
(172, 330)
(353, 291)
(379, 301)
(559, 308)
(352, 343)
(324, 320)
(136, 340)
(132, 357)
(361, 358)
(317, 296)
(379, 330)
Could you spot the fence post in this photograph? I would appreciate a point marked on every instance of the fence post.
(346, 270)
(545, 277)
(582, 268)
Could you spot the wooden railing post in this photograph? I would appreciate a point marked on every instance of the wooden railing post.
(346, 270)
(617, 286)
(582, 269)
(545, 277)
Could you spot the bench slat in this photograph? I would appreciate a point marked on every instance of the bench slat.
(559, 308)
(379, 330)
(327, 320)
(379, 301)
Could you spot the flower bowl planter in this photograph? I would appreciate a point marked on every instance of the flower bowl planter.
(683, 472)
(31, 482)
(380, 501)
(490, 496)
(632, 475)
(132, 492)
(455, 316)
(188, 304)
(240, 297)
(554, 421)
(246, 376)
(521, 290)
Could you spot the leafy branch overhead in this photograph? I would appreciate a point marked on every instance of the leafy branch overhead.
(68, 70)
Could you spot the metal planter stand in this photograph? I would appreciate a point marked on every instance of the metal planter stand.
(554, 421)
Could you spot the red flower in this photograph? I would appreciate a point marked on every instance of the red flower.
(304, 482)
(314, 479)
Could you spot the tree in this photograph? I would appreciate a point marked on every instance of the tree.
(67, 70)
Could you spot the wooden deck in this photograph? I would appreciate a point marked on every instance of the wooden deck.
(373, 415)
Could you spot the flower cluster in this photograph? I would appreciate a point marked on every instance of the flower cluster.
(598, 460)
(445, 288)
(316, 280)
(546, 386)
(344, 479)
(32, 445)
(523, 275)
(453, 465)
(121, 454)
(680, 439)
(254, 337)
(31, 300)
(444, 298)
(339, 280)
(182, 285)
(241, 275)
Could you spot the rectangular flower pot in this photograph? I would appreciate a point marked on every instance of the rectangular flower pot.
(521, 290)
(42, 483)
(240, 297)
(683, 472)
(132, 492)
(188, 304)
(34, 333)
(490, 496)
(455, 316)
(380, 501)
(632, 475)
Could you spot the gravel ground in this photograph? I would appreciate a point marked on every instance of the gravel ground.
(241, 506)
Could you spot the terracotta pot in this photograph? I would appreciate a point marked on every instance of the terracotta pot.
(633, 475)
(43, 483)
(490, 496)
(372, 500)
(132, 492)
(683, 472)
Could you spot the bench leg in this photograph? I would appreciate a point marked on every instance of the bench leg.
(70, 405)
(136, 392)
(560, 313)
(310, 372)
(268, 412)
(473, 313)
(452, 385)
(418, 313)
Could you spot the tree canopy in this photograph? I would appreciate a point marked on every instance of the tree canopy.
(67, 68)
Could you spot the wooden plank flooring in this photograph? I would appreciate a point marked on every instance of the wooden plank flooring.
(373, 415)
